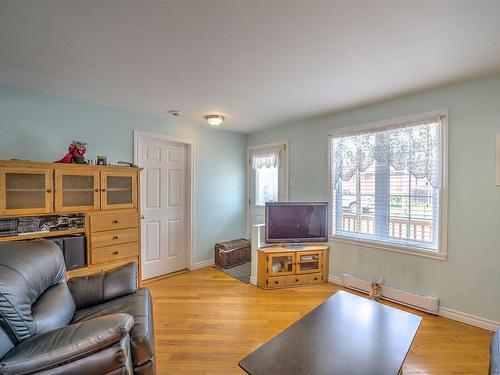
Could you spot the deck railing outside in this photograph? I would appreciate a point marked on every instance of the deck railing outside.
(399, 227)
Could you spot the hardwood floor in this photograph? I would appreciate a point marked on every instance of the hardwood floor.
(205, 322)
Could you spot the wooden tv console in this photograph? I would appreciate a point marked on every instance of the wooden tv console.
(108, 197)
(281, 267)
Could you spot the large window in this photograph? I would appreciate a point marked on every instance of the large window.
(389, 184)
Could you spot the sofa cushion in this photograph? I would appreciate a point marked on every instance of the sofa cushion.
(139, 305)
(495, 354)
(68, 344)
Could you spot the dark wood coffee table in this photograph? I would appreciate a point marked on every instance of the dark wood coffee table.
(345, 335)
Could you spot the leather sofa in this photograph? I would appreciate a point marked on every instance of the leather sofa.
(98, 324)
(495, 354)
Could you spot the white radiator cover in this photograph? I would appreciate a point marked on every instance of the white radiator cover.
(411, 299)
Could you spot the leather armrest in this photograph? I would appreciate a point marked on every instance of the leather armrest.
(66, 344)
(495, 354)
(94, 289)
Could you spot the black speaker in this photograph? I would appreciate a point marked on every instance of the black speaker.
(73, 248)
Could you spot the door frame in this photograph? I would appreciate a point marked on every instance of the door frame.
(190, 201)
(286, 144)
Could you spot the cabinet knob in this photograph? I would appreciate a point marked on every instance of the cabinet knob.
(115, 221)
(315, 279)
(115, 252)
(96, 190)
(115, 237)
(276, 282)
(49, 190)
(103, 190)
(296, 280)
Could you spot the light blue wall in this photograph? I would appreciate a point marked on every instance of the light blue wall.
(39, 127)
(469, 280)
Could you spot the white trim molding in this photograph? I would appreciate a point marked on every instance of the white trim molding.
(202, 264)
(390, 247)
(470, 319)
(446, 312)
(253, 280)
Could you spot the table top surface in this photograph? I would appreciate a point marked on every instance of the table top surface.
(344, 335)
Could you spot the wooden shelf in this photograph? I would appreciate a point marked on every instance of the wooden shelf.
(54, 233)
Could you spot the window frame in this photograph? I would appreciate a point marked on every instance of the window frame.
(442, 249)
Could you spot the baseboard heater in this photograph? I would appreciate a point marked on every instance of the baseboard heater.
(414, 300)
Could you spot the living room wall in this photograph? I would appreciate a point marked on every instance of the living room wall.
(468, 281)
(39, 127)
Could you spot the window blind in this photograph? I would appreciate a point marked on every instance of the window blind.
(386, 183)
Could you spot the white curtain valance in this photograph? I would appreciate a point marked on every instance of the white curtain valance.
(266, 159)
(415, 147)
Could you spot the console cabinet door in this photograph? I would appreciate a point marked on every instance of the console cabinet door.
(118, 190)
(77, 191)
(280, 264)
(26, 191)
(309, 261)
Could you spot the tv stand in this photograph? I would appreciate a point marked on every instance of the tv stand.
(282, 266)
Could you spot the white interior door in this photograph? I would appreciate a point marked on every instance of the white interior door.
(267, 184)
(163, 202)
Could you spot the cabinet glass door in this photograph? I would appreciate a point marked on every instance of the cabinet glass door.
(281, 264)
(26, 190)
(311, 261)
(77, 191)
(118, 190)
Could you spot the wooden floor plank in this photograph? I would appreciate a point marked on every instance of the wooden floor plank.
(206, 322)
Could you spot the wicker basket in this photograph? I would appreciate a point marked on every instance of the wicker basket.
(232, 253)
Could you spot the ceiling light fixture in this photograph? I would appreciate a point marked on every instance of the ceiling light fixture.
(175, 113)
(214, 120)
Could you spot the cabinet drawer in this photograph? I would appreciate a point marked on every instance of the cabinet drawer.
(112, 253)
(315, 278)
(295, 280)
(276, 282)
(114, 237)
(102, 222)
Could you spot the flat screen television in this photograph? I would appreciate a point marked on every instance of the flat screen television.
(289, 222)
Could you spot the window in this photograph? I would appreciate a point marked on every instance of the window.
(266, 185)
(266, 165)
(389, 184)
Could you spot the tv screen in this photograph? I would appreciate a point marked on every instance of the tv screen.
(296, 222)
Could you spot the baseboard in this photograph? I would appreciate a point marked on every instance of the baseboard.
(253, 280)
(446, 312)
(470, 319)
(335, 280)
(202, 264)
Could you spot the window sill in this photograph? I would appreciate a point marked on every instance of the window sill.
(442, 255)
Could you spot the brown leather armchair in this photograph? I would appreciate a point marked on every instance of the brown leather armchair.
(99, 324)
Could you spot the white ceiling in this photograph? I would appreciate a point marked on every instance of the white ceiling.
(258, 62)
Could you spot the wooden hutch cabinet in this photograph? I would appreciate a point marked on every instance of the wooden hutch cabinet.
(108, 197)
(280, 266)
